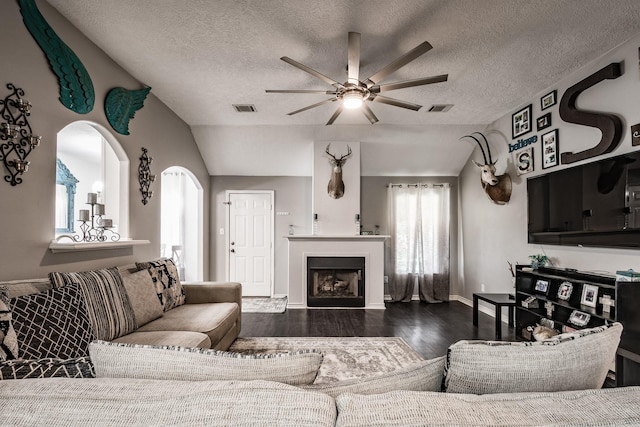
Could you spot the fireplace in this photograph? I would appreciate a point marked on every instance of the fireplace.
(335, 281)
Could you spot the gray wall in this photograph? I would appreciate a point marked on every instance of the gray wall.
(491, 235)
(293, 195)
(27, 210)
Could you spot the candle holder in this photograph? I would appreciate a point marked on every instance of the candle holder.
(16, 136)
(93, 227)
(145, 178)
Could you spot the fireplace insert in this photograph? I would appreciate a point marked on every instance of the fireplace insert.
(335, 281)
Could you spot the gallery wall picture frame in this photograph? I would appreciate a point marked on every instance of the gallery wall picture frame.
(550, 149)
(543, 122)
(523, 159)
(521, 122)
(548, 100)
(589, 295)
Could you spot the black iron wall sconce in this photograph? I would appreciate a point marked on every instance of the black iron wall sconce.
(16, 136)
(145, 177)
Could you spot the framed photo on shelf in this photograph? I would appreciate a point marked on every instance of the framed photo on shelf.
(589, 295)
(544, 122)
(542, 286)
(550, 149)
(564, 291)
(521, 122)
(548, 100)
(579, 318)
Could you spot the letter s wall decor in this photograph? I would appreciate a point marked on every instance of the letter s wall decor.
(609, 124)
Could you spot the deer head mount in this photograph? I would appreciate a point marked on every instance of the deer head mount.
(497, 188)
(336, 185)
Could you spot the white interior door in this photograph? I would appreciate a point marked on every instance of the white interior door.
(250, 241)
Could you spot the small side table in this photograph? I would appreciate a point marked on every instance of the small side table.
(499, 301)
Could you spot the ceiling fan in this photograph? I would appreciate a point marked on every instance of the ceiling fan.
(354, 93)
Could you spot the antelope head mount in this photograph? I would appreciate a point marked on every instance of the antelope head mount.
(336, 185)
(497, 187)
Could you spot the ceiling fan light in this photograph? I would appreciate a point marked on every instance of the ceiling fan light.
(352, 100)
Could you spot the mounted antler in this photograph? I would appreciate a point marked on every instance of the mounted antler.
(498, 188)
(336, 185)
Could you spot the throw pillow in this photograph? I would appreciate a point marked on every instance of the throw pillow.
(108, 305)
(119, 360)
(80, 367)
(422, 376)
(578, 360)
(165, 276)
(53, 324)
(142, 295)
(8, 340)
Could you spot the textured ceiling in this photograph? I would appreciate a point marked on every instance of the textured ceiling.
(202, 56)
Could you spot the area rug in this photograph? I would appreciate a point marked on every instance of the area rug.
(344, 358)
(264, 305)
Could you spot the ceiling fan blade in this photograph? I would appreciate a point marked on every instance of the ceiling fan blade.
(324, 92)
(311, 71)
(353, 64)
(395, 102)
(317, 104)
(399, 63)
(335, 115)
(367, 112)
(409, 83)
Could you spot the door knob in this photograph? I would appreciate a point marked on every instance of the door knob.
(233, 251)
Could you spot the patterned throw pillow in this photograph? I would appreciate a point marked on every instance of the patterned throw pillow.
(165, 276)
(53, 324)
(8, 340)
(120, 360)
(108, 306)
(80, 367)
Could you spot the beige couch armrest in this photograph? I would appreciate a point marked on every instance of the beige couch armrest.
(204, 292)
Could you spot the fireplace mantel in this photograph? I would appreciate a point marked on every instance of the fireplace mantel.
(371, 247)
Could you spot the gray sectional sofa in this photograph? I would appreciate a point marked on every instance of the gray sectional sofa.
(158, 308)
(161, 368)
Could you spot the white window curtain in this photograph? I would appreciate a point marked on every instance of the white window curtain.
(419, 217)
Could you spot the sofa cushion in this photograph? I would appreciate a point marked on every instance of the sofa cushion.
(108, 305)
(116, 360)
(120, 402)
(16, 288)
(164, 274)
(8, 339)
(213, 319)
(578, 360)
(142, 296)
(177, 338)
(421, 376)
(52, 324)
(80, 367)
(606, 407)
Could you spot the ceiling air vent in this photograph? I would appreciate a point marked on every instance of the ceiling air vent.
(440, 108)
(245, 108)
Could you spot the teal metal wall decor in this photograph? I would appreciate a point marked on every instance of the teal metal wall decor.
(76, 88)
(121, 105)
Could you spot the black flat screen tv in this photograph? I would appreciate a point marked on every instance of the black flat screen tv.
(595, 204)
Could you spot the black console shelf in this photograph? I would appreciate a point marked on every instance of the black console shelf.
(543, 286)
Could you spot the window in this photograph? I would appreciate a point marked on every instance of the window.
(94, 159)
(419, 227)
(182, 222)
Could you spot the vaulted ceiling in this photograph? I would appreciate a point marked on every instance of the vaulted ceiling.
(202, 56)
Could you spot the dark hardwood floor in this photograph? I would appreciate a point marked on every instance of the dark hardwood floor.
(428, 328)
